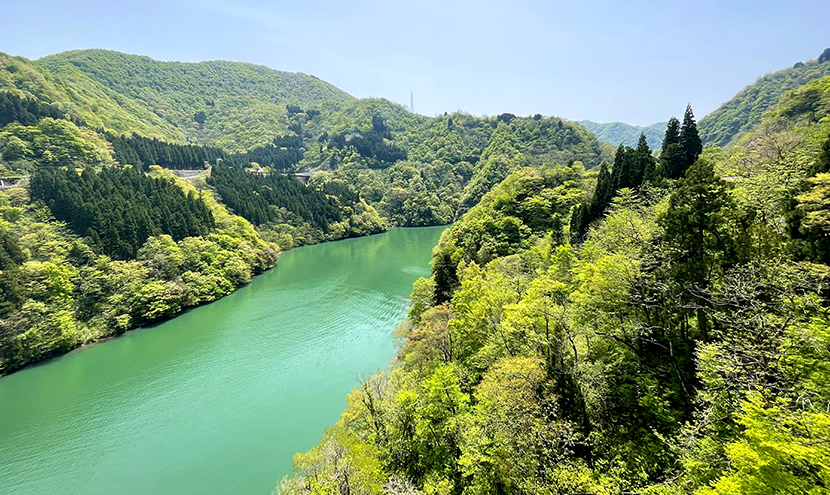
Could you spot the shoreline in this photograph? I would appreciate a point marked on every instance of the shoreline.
(105, 338)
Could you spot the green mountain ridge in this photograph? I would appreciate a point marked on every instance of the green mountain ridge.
(746, 109)
(75, 93)
(242, 105)
(617, 133)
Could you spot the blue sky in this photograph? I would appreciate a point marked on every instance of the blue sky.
(636, 61)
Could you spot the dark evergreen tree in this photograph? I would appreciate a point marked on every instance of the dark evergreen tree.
(118, 209)
(259, 197)
(28, 111)
(645, 161)
(620, 171)
(672, 157)
(689, 139)
(580, 219)
(285, 152)
(697, 240)
(672, 135)
(587, 212)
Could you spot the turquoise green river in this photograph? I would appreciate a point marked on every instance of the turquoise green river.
(218, 399)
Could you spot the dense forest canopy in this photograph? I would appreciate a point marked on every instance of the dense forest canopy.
(252, 196)
(659, 327)
(75, 93)
(746, 109)
(118, 209)
(645, 319)
(618, 133)
(230, 104)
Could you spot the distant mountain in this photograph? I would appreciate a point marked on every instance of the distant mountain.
(627, 134)
(235, 105)
(75, 93)
(746, 108)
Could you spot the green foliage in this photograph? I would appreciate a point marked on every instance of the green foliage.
(452, 160)
(244, 104)
(780, 451)
(85, 100)
(371, 144)
(305, 215)
(529, 202)
(252, 196)
(56, 293)
(746, 109)
(679, 346)
(631, 168)
(341, 463)
(50, 143)
(28, 111)
(619, 133)
(118, 209)
(695, 225)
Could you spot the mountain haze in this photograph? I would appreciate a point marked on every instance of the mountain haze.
(617, 133)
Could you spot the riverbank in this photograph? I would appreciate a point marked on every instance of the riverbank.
(218, 399)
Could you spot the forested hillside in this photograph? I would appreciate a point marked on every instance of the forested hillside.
(746, 109)
(414, 170)
(597, 320)
(452, 161)
(232, 105)
(293, 213)
(72, 92)
(100, 237)
(659, 327)
(618, 133)
(134, 249)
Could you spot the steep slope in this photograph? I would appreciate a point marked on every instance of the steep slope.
(746, 109)
(77, 94)
(184, 245)
(230, 104)
(617, 133)
(450, 161)
(680, 347)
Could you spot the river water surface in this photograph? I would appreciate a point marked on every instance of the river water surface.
(218, 399)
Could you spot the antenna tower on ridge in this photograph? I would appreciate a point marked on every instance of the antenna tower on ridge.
(412, 102)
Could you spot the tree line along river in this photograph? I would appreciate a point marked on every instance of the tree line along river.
(218, 399)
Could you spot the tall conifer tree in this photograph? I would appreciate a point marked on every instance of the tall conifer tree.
(689, 139)
(619, 171)
(644, 160)
(603, 194)
(672, 157)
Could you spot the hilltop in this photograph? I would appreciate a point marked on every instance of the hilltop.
(746, 109)
(235, 105)
(617, 133)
